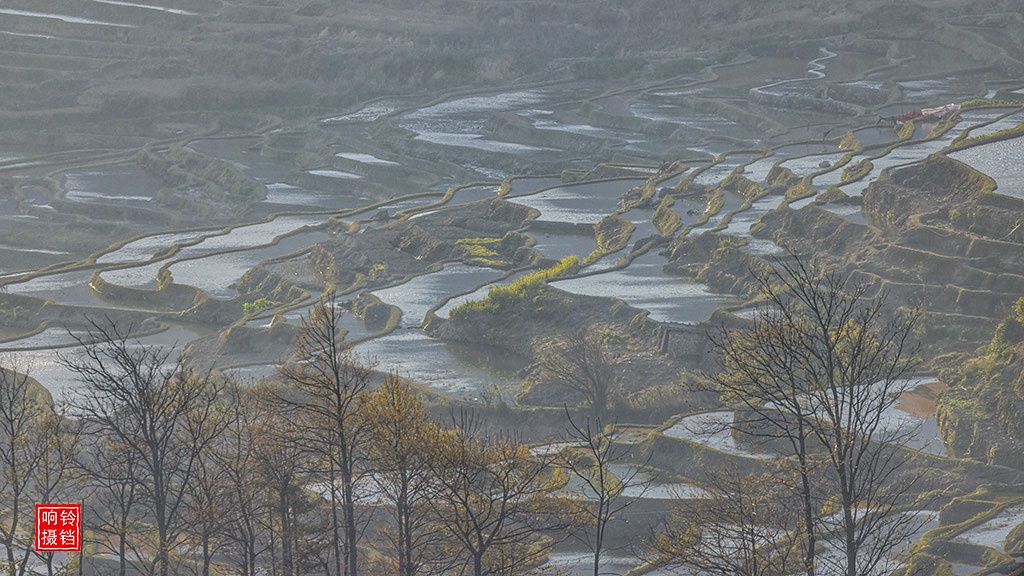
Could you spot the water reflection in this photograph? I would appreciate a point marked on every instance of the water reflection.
(457, 370)
(421, 293)
(644, 285)
(999, 160)
(580, 203)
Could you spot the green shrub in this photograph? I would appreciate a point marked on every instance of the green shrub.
(258, 305)
(521, 290)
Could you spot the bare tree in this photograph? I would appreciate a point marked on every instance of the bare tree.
(55, 477)
(495, 500)
(20, 411)
(206, 507)
(743, 525)
(113, 488)
(281, 467)
(330, 380)
(825, 362)
(580, 362)
(236, 453)
(606, 470)
(161, 410)
(400, 439)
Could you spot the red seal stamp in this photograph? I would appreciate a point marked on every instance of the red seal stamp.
(58, 527)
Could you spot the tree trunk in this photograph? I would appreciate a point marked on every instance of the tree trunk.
(122, 562)
(351, 532)
(335, 521)
(206, 555)
(286, 537)
(478, 564)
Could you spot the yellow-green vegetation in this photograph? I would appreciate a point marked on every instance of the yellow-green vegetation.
(987, 102)
(781, 175)
(377, 270)
(961, 514)
(849, 141)
(1014, 541)
(907, 130)
(741, 185)
(665, 219)
(715, 203)
(258, 305)
(482, 251)
(594, 256)
(612, 233)
(479, 247)
(802, 189)
(979, 412)
(1006, 134)
(518, 291)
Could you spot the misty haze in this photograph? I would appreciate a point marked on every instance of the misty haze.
(472, 287)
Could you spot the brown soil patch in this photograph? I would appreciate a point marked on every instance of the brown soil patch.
(633, 434)
(921, 401)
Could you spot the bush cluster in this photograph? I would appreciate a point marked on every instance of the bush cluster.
(518, 291)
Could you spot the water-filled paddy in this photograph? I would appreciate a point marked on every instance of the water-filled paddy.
(580, 203)
(715, 174)
(51, 336)
(252, 235)
(457, 370)
(741, 222)
(148, 7)
(366, 159)
(63, 18)
(1000, 160)
(135, 276)
(757, 171)
(644, 285)
(44, 365)
(714, 430)
(215, 274)
(145, 248)
(993, 532)
(521, 186)
(807, 165)
(68, 288)
(119, 185)
(340, 174)
(421, 293)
